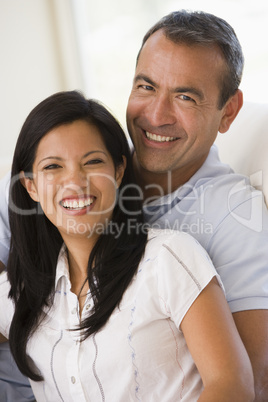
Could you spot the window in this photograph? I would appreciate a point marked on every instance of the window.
(110, 33)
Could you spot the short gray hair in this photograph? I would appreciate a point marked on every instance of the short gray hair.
(200, 28)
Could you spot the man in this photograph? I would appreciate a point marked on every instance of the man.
(185, 91)
(14, 387)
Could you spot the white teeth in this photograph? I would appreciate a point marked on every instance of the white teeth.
(77, 204)
(159, 138)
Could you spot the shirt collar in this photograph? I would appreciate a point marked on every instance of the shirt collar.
(212, 167)
(62, 266)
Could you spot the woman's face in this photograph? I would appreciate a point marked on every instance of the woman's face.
(74, 179)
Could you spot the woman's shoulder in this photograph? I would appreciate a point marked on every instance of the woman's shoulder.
(173, 247)
(179, 260)
(173, 238)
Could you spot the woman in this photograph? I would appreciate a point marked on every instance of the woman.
(98, 308)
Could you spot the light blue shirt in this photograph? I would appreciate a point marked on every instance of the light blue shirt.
(230, 220)
(4, 225)
(14, 387)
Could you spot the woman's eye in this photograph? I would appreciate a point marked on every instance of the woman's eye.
(52, 166)
(94, 162)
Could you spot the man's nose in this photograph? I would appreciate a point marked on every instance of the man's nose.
(161, 112)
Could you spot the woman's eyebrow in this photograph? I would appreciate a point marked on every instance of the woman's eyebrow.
(50, 157)
(93, 152)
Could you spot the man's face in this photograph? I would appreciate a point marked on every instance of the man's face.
(172, 114)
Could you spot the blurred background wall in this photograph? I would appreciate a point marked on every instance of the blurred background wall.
(38, 56)
(52, 45)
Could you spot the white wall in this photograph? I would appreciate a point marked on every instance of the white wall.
(34, 62)
(39, 54)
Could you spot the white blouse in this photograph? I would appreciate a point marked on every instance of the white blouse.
(140, 354)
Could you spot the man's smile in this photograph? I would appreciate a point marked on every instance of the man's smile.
(159, 138)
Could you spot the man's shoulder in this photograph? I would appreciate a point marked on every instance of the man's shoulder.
(220, 193)
(231, 187)
(4, 191)
(216, 181)
(4, 224)
(216, 176)
(214, 205)
(4, 185)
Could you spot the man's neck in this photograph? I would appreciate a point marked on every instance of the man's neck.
(157, 184)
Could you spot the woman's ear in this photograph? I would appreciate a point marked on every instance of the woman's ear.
(29, 185)
(120, 170)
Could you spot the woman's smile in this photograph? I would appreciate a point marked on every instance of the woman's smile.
(78, 205)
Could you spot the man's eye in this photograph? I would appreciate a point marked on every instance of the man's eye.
(146, 87)
(186, 98)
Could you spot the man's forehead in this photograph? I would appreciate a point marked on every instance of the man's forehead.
(159, 41)
(161, 54)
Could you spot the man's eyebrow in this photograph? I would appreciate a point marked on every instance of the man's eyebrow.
(183, 89)
(189, 90)
(143, 77)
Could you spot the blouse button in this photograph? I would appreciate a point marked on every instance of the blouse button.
(73, 379)
(88, 306)
(73, 311)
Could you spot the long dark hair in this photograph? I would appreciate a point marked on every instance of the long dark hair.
(36, 242)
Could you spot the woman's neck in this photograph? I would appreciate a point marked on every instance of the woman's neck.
(78, 249)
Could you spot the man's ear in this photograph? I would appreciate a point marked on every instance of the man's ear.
(231, 110)
(120, 170)
(29, 185)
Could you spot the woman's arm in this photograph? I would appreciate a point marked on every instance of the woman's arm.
(217, 349)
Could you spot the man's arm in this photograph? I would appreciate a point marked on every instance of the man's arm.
(244, 272)
(2, 267)
(252, 326)
(3, 339)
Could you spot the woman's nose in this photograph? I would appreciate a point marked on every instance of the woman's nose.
(77, 178)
